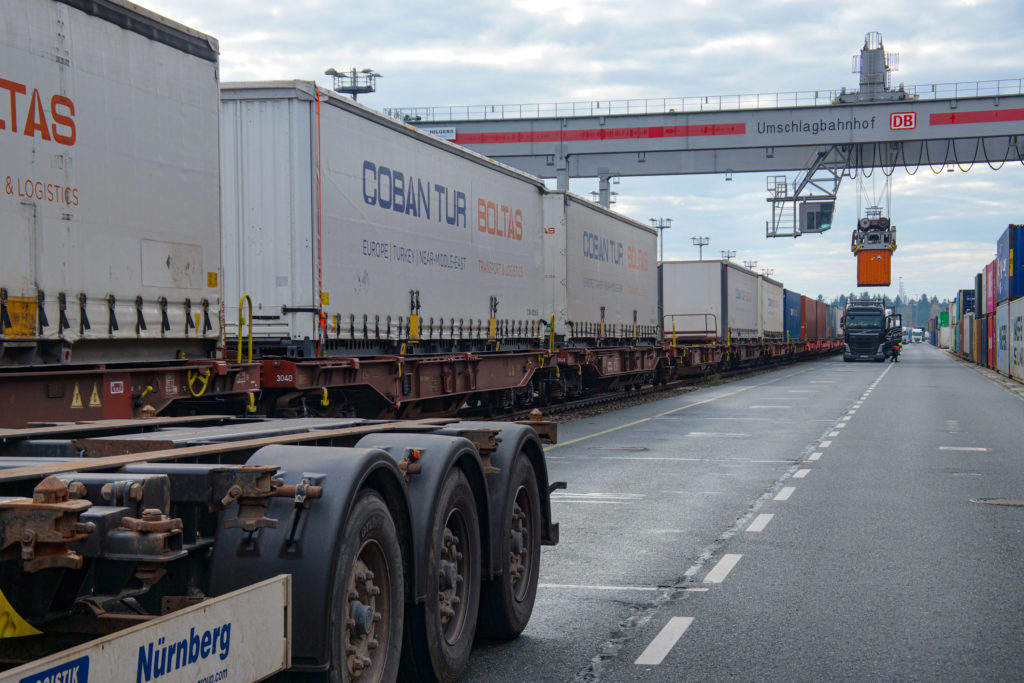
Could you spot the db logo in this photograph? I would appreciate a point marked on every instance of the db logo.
(549, 230)
(903, 120)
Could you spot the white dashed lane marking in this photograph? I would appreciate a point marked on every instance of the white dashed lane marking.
(722, 569)
(800, 474)
(785, 492)
(664, 641)
(760, 522)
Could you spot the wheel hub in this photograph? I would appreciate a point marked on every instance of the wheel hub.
(362, 620)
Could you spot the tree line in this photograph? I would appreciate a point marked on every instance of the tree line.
(916, 312)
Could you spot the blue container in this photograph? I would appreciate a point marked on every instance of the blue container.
(791, 314)
(1016, 260)
(965, 303)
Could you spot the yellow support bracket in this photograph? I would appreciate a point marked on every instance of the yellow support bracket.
(245, 300)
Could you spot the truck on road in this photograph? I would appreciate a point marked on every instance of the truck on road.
(864, 330)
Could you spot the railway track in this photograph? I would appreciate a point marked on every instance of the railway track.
(568, 410)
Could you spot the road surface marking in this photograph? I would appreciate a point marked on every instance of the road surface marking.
(760, 522)
(971, 449)
(785, 492)
(814, 456)
(612, 498)
(825, 444)
(562, 444)
(573, 586)
(833, 434)
(846, 418)
(840, 425)
(664, 641)
(728, 435)
(800, 474)
(722, 569)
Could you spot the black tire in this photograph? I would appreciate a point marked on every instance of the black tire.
(439, 632)
(367, 602)
(506, 603)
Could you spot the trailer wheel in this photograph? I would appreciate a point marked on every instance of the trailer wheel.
(367, 603)
(507, 602)
(439, 632)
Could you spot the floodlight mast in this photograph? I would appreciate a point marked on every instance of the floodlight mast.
(700, 243)
(354, 82)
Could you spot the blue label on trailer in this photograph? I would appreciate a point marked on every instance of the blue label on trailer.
(75, 671)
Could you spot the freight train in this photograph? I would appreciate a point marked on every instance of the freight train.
(349, 265)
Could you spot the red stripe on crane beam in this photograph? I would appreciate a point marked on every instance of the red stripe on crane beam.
(590, 134)
(989, 116)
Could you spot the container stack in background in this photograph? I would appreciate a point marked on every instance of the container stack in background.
(985, 324)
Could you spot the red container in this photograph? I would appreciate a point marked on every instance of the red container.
(992, 342)
(813, 319)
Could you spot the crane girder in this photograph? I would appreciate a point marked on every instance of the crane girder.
(911, 133)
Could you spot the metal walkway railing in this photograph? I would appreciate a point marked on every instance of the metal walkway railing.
(807, 98)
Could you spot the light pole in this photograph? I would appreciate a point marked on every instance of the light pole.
(700, 243)
(728, 253)
(767, 272)
(661, 225)
(354, 82)
(750, 265)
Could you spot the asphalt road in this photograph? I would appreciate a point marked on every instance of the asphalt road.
(824, 521)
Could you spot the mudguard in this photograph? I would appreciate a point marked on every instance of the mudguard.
(438, 454)
(311, 554)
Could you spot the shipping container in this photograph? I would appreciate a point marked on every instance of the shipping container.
(945, 337)
(599, 271)
(1015, 327)
(990, 287)
(874, 268)
(979, 293)
(835, 329)
(771, 324)
(1010, 263)
(1003, 338)
(813, 319)
(333, 208)
(943, 318)
(965, 303)
(966, 336)
(111, 241)
(792, 321)
(990, 360)
(712, 299)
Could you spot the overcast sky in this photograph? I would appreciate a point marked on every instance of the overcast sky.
(531, 51)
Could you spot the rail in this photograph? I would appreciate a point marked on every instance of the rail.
(667, 105)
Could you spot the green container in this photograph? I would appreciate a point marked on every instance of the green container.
(943, 318)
